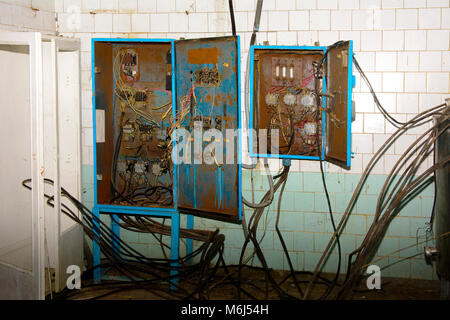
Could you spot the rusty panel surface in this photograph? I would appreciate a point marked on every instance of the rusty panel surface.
(337, 106)
(104, 101)
(289, 119)
(140, 148)
(209, 189)
(203, 56)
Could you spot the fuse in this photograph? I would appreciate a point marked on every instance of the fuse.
(283, 72)
(291, 73)
(277, 72)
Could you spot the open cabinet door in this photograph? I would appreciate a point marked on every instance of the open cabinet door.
(339, 82)
(207, 95)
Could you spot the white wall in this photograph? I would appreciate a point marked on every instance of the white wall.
(28, 15)
(403, 45)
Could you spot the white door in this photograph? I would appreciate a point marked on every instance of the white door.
(71, 233)
(62, 142)
(21, 138)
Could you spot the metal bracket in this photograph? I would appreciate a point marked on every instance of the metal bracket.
(430, 253)
(286, 162)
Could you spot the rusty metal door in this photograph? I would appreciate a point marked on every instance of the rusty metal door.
(207, 95)
(339, 82)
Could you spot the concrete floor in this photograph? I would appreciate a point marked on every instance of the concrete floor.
(391, 289)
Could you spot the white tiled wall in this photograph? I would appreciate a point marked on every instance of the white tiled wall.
(28, 15)
(403, 45)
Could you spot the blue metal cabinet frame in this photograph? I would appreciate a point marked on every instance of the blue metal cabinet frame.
(171, 213)
(98, 209)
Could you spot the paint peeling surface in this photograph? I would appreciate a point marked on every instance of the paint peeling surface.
(208, 68)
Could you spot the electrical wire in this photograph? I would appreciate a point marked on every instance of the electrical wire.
(419, 118)
(233, 22)
(130, 262)
(400, 194)
(333, 284)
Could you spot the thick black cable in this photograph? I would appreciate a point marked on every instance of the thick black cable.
(110, 252)
(233, 22)
(338, 242)
(391, 207)
(280, 236)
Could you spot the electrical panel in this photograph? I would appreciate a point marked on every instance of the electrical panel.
(133, 89)
(301, 102)
(145, 91)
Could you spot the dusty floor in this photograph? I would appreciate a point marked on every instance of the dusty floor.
(254, 283)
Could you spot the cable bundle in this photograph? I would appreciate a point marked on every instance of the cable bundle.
(251, 232)
(144, 272)
(389, 200)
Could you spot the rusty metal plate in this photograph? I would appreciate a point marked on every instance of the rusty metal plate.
(337, 106)
(209, 189)
(203, 56)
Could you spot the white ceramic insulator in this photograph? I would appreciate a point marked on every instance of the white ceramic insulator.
(309, 128)
(308, 100)
(272, 99)
(290, 99)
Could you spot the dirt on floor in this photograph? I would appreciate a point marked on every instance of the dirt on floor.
(254, 283)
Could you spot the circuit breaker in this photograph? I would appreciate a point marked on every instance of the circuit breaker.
(301, 102)
(147, 91)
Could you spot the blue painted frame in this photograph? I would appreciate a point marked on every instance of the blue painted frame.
(93, 41)
(239, 126)
(98, 209)
(251, 127)
(351, 84)
(171, 213)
